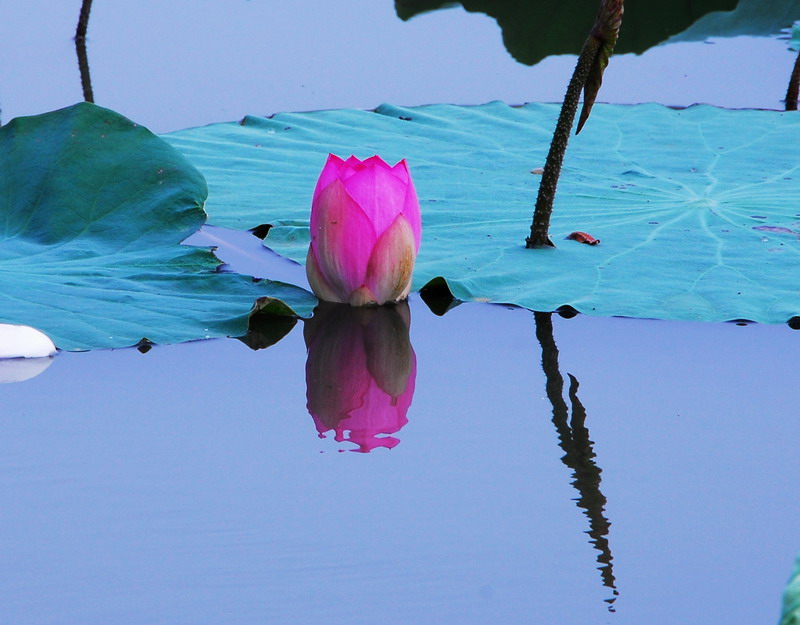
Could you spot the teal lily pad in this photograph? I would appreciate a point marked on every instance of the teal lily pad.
(794, 36)
(696, 209)
(93, 208)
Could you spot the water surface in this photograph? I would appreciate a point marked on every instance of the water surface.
(189, 484)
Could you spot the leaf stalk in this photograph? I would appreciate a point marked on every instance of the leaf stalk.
(587, 77)
(80, 49)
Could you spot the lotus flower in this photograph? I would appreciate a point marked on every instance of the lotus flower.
(365, 232)
(360, 372)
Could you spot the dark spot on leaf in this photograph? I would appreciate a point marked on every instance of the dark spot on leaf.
(794, 323)
(405, 119)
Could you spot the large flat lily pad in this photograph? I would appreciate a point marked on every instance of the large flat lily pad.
(698, 209)
(93, 209)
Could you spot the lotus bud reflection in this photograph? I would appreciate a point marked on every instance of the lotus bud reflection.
(365, 232)
(360, 372)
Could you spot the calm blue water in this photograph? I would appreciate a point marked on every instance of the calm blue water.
(172, 65)
(189, 484)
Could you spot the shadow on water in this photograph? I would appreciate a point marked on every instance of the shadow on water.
(573, 437)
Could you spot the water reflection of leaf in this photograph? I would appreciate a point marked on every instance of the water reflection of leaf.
(536, 29)
(269, 322)
(573, 437)
(360, 372)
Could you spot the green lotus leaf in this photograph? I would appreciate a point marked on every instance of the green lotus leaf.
(93, 208)
(697, 209)
(790, 613)
(794, 36)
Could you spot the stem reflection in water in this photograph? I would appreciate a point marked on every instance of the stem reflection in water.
(360, 372)
(573, 437)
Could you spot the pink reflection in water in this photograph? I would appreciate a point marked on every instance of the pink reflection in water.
(360, 372)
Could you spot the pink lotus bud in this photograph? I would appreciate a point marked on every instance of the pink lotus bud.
(365, 232)
(360, 372)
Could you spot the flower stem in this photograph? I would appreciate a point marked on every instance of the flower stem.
(555, 157)
(587, 77)
(80, 48)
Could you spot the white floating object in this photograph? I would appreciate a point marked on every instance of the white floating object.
(24, 342)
